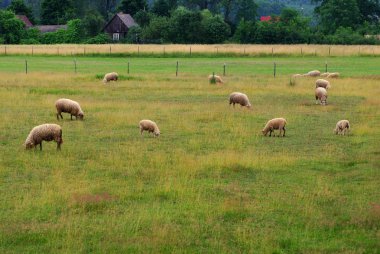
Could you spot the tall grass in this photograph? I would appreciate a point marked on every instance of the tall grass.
(210, 183)
(194, 50)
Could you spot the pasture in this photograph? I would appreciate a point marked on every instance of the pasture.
(211, 183)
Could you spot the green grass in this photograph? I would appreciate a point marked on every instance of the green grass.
(211, 183)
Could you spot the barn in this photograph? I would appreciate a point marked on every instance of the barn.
(119, 25)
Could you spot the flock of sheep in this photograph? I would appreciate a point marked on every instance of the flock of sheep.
(50, 132)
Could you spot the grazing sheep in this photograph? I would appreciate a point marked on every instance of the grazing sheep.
(325, 74)
(217, 78)
(321, 94)
(342, 127)
(334, 75)
(275, 124)
(322, 83)
(69, 106)
(110, 76)
(240, 98)
(314, 73)
(44, 132)
(150, 126)
(297, 75)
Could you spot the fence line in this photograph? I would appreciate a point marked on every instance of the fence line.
(194, 49)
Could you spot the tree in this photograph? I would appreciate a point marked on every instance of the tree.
(215, 30)
(245, 32)
(54, 12)
(11, 28)
(184, 26)
(19, 8)
(246, 9)
(132, 6)
(142, 18)
(161, 8)
(93, 22)
(338, 13)
(156, 31)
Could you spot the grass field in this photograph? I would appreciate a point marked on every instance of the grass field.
(211, 183)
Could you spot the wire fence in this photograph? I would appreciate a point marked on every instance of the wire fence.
(191, 50)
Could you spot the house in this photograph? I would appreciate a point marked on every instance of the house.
(269, 18)
(50, 28)
(119, 25)
(43, 28)
(265, 18)
(25, 20)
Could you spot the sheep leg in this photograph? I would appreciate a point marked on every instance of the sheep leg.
(41, 146)
(270, 133)
(71, 116)
(58, 145)
(61, 115)
(284, 132)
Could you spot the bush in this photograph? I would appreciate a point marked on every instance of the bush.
(99, 39)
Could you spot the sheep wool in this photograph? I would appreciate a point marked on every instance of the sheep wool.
(322, 83)
(314, 73)
(334, 75)
(342, 127)
(325, 74)
(44, 132)
(68, 106)
(321, 95)
(217, 78)
(240, 98)
(275, 124)
(113, 76)
(297, 75)
(150, 126)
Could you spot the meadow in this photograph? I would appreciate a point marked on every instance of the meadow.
(211, 183)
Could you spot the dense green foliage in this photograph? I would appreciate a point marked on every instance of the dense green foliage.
(186, 21)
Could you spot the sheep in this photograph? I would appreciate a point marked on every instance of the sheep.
(44, 132)
(217, 79)
(110, 76)
(322, 83)
(321, 94)
(240, 98)
(314, 73)
(297, 75)
(68, 106)
(334, 75)
(342, 127)
(325, 74)
(150, 126)
(275, 124)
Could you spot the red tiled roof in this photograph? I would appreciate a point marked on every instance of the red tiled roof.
(265, 18)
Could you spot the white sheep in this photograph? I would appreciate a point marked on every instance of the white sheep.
(113, 76)
(44, 132)
(217, 78)
(314, 73)
(297, 75)
(342, 127)
(240, 98)
(68, 106)
(321, 94)
(325, 74)
(334, 75)
(275, 124)
(150, 126)
(322, 83)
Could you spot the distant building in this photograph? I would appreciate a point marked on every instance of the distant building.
(118, 27)
(265, 18)
(50, 28)
(25, 20)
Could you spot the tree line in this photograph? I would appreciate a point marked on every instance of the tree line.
(193, 21)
